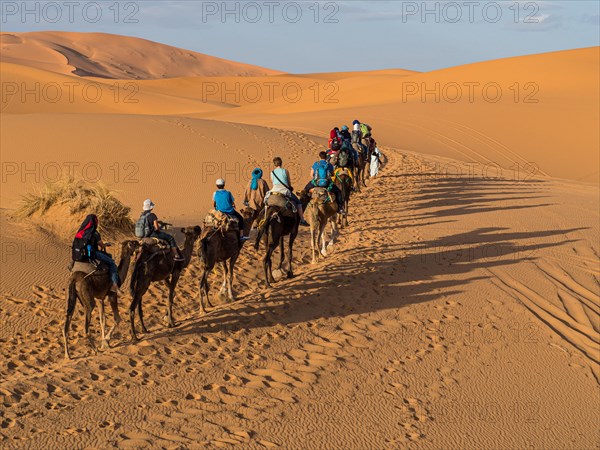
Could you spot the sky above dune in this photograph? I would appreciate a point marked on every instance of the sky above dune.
(329, 36)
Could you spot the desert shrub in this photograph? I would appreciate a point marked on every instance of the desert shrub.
(79, 198)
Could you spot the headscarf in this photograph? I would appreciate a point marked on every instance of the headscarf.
(256, 175)
(88, 228)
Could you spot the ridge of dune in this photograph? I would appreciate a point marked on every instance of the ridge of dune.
(522, 112)
(112, 56)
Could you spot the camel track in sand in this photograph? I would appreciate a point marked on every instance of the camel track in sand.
(368, 346)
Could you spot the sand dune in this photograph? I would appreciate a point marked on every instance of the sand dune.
(460, 309)
(104, 55)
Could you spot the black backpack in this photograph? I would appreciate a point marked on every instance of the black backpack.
(79, 251)
(336, 144)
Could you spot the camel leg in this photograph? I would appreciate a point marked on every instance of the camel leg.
(141, 314)
(103, 344)
(230, 279)
(136, 303)
(282, 257)
(322, 240)
(346, 206)
(203, 290)
(134, 337)
(112, 298)
(71, 302)
(270, 276)
(290, 273)
(313, 243)
(172, 283)
(267, 265)
(88, 318)
(334, 234)
(132, 309)
(223, 290)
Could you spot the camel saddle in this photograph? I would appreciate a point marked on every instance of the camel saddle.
(153, 242)
(279, 200)
(219, 221)
(88, 268)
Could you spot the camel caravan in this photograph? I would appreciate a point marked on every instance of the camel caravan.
(277, 213)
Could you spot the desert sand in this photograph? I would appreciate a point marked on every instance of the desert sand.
(460, 308)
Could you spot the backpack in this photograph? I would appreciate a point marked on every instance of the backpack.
(335, 144)
(142, 227)
(79, 251)
(322, 175)
(342, 159)
(365, 130)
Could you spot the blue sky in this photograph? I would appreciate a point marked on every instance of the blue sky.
(329, 36)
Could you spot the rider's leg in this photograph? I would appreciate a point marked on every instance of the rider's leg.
(171, 240)
(338, 196)
(240, 219)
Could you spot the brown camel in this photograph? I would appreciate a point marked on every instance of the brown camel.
(344, 183)
(277, 224)
(88, 288)
(361, 172)
(221, 247)
(321, 209)
(158, 265)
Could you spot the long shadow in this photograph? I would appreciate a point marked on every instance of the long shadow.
(389, 283)
(370, 277)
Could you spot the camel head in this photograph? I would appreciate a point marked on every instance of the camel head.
(192, 233)
(191, 236)
(319, 195)
(248, 215)
(128, 248)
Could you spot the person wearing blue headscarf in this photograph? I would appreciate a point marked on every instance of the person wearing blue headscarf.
(257, 189)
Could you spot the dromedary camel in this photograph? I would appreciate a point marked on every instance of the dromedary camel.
(344, 183)
(321, 209)
(158, 265)
(221, 247)
(361, 165)
(88, 288)
(278, 222)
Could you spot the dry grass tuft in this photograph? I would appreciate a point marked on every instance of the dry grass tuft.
(79, 198)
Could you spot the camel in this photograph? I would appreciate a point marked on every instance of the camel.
(221, 247)
(158, 265)
(275, 226)
(88, 288)
(322, 208)
(344, 182)
(361, 172)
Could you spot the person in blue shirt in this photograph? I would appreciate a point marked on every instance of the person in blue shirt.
(322, 174)
(224, 202)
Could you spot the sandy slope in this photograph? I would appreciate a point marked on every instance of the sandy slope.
(460, 309)
(411, 336)
(113, 56)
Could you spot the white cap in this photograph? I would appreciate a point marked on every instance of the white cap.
(148, 205)
(220, 182)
